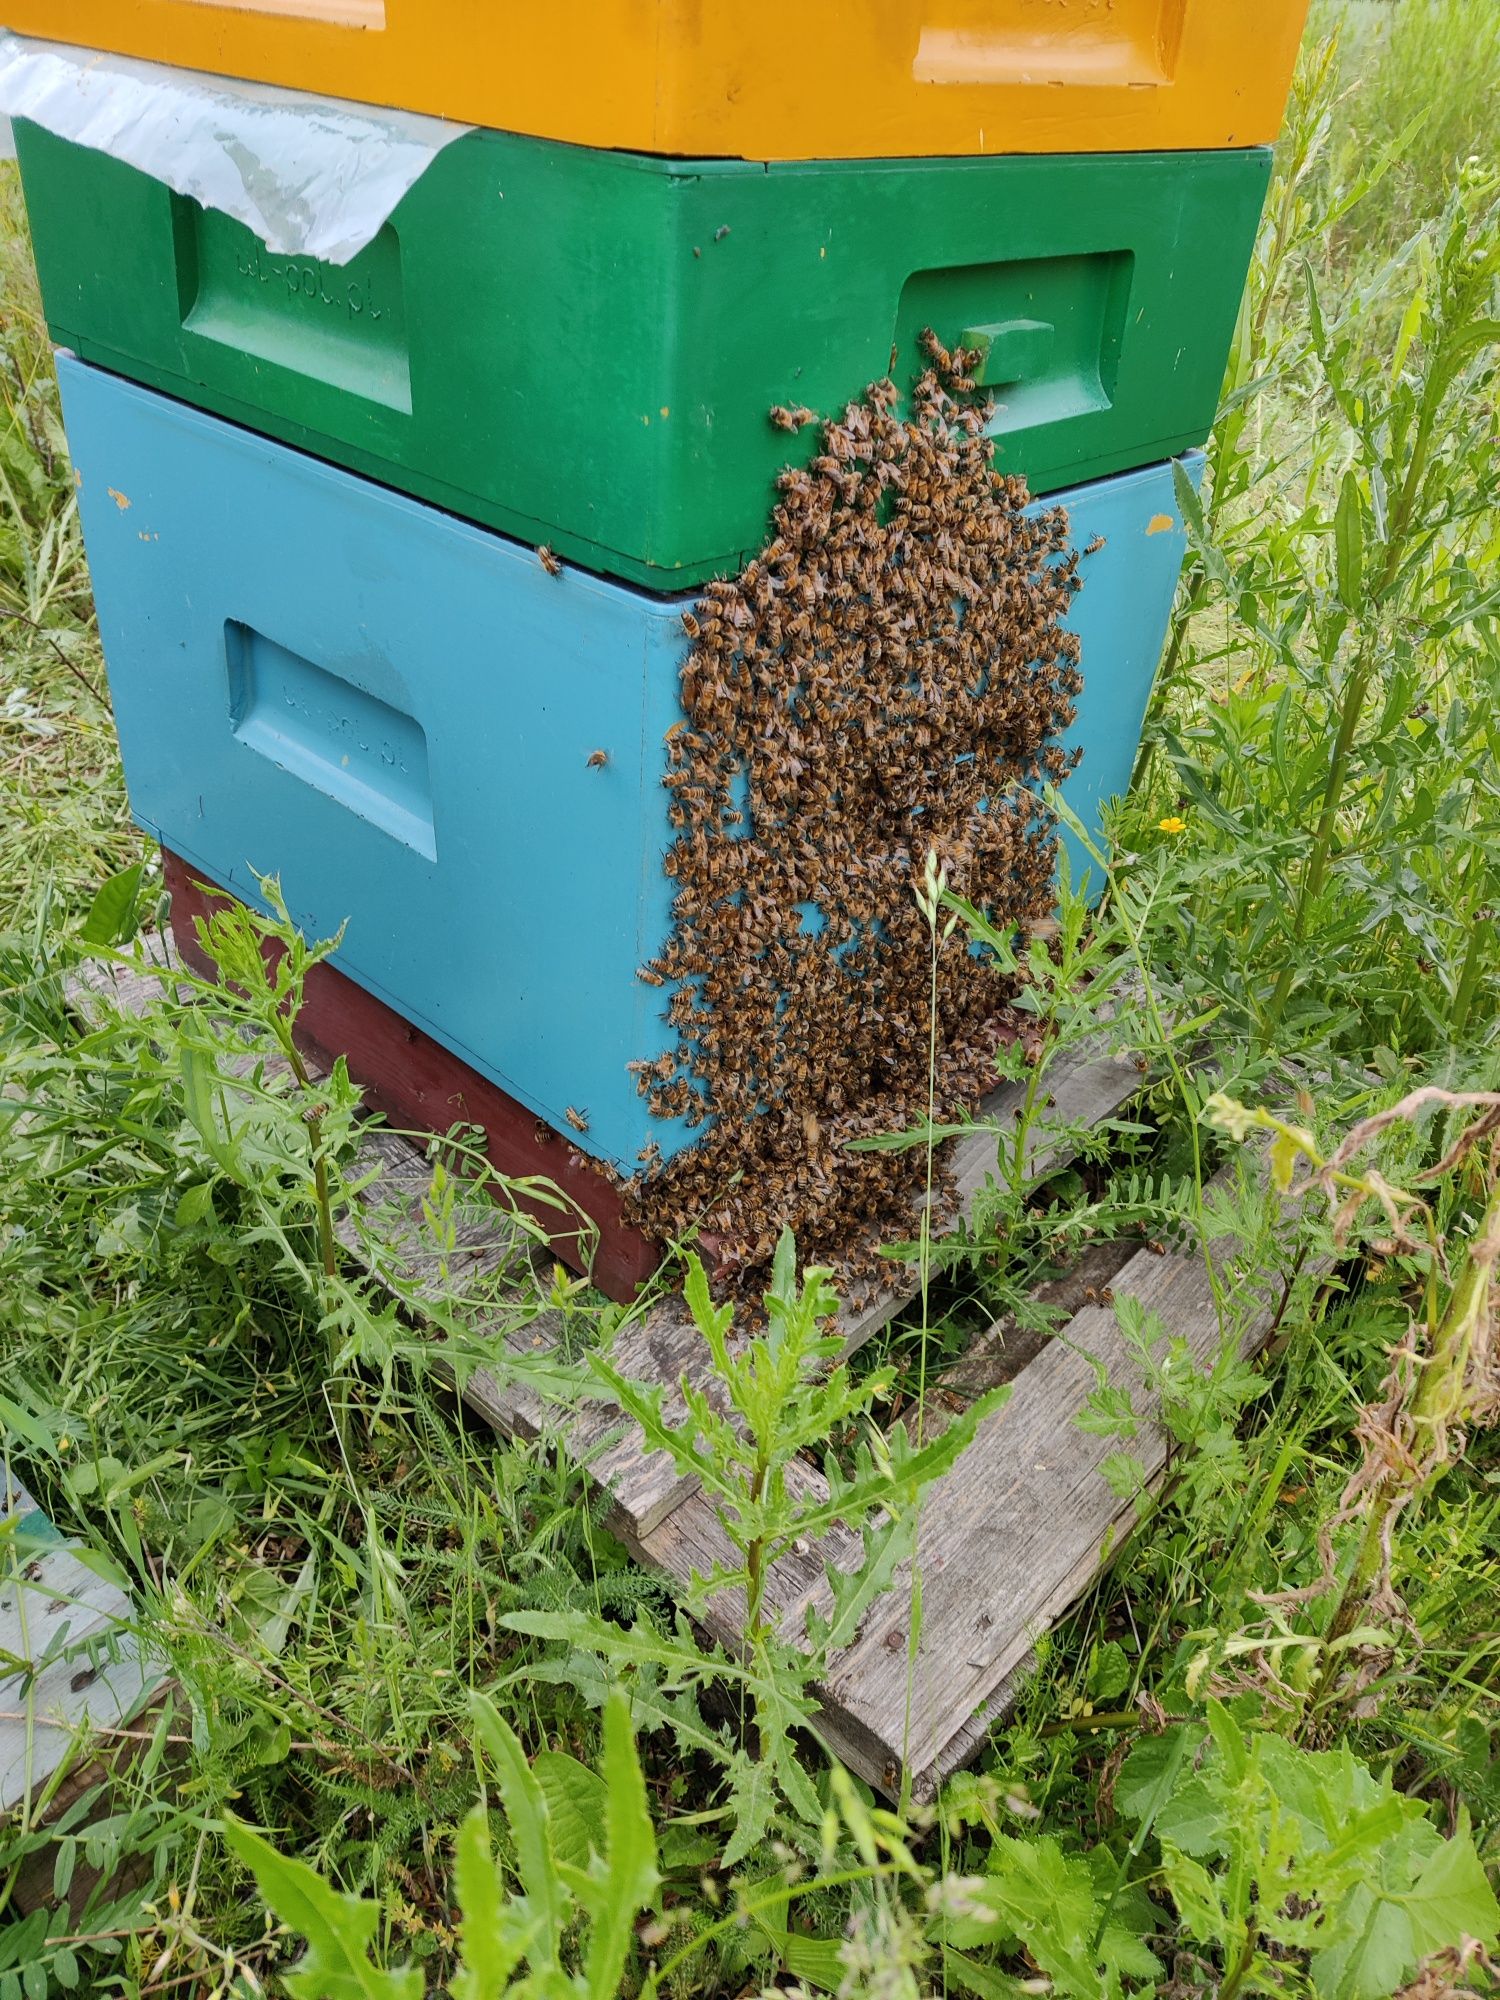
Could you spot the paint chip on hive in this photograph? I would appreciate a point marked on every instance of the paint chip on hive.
(1160, 524)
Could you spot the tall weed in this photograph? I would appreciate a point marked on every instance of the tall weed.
(1324, 731)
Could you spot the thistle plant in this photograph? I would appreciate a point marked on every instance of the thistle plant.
(779, 1393)
(262, 967)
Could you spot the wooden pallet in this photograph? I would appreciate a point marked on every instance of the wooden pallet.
(1007, 1542)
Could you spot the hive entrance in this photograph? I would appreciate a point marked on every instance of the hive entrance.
(888, 678)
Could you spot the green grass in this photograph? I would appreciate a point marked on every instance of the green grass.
(63, 823)
(377, 1612)
(1419, 78)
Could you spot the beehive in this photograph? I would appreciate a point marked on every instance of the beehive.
(428, 734)
(775, 81)
(579, 348)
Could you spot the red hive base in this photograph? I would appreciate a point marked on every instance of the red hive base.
(421, 1087)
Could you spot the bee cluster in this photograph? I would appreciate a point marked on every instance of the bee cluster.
(887, 678)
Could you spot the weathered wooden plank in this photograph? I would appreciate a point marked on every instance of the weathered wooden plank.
(103, 1769)
(1015, 1531)
(82, 1664)
(484, 1242)
(596, 1437)
(131, 988)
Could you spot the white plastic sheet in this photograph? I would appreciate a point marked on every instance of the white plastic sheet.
(312, 176)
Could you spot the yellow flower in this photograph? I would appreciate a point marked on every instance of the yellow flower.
(1171, 825)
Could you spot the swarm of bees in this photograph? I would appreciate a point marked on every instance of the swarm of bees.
(887, 678)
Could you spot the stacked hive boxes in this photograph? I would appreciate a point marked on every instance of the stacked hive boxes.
(314, 497)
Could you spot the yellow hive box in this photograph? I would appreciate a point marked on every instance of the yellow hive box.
(758, 79)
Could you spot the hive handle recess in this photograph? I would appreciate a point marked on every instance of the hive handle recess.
(1010, 350)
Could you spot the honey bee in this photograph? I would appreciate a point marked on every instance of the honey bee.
(862, 670)
(577, 1119)
(1093, 547)
(549, 561)
(597, 759)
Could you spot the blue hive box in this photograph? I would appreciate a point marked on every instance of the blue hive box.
(395, 711)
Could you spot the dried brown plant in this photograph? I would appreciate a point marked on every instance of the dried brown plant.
(1442, 1383)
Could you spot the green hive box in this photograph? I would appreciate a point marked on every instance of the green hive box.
(580, 347)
